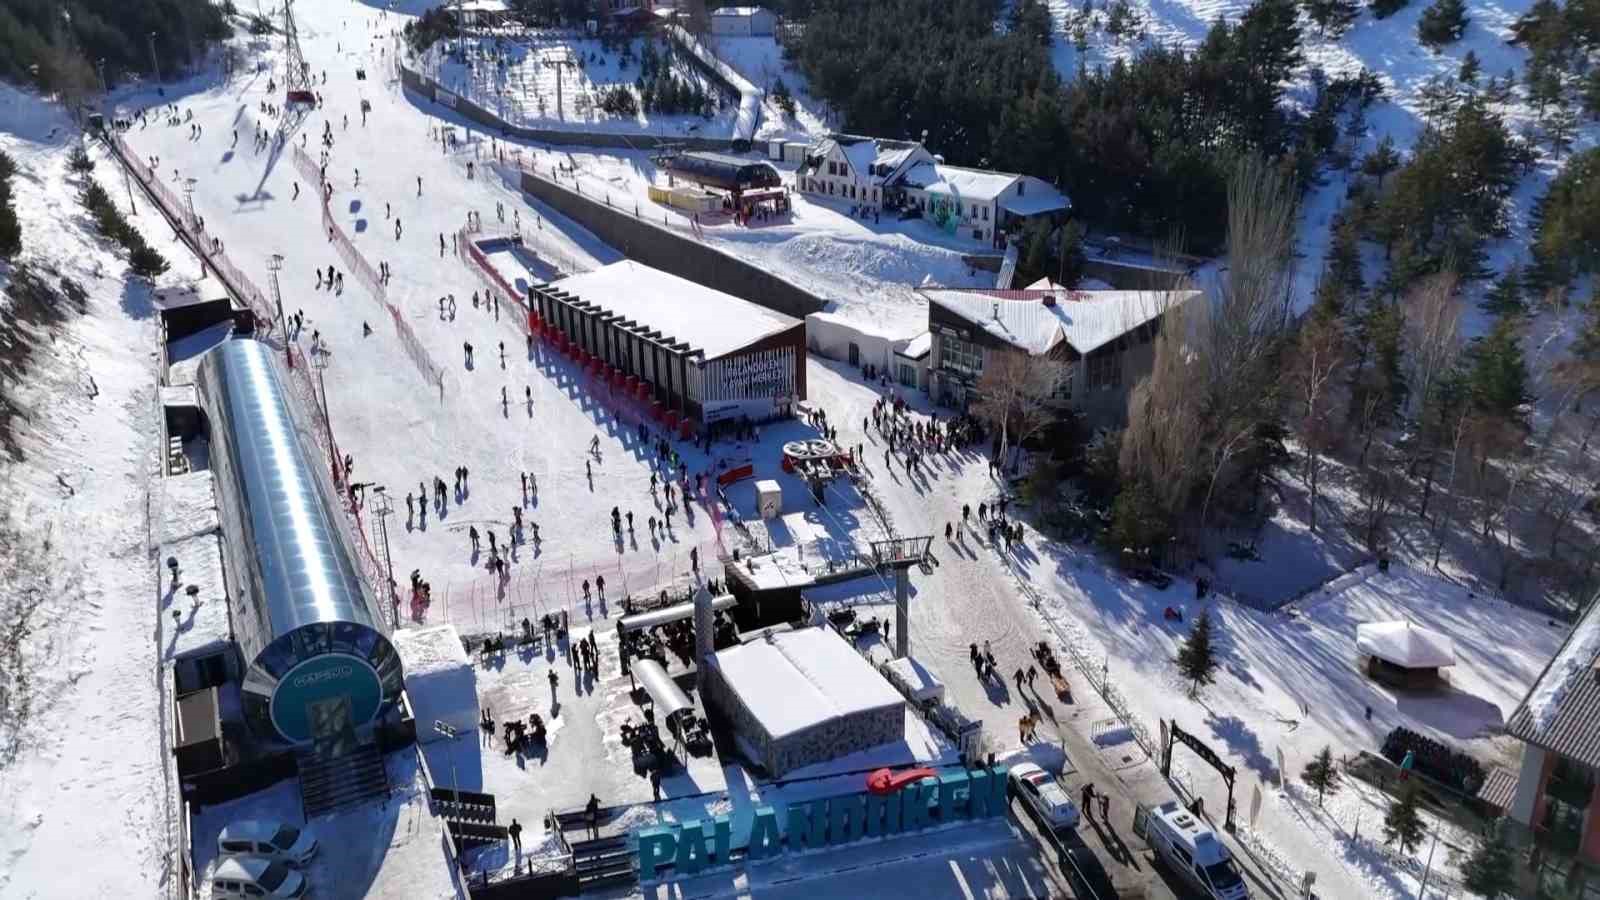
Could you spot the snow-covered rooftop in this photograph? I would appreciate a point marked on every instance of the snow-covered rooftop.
(917, 347)
(1086, 320)
(1406, 645)
(958, 181)
(188, 506)
(714, 322)
(736, 10)
(201, 625)
(1562, 707)
(440, 682)
(1033, 204)
(796, 680)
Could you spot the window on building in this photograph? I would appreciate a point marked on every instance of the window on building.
(961, 356)
(986, 213)
(830, 188)
(1020, 186)
(1104, 369)
(974, 210)
(908, 375)
(874, 195)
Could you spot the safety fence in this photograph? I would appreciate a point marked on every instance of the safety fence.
(368, 276)
(299, 368)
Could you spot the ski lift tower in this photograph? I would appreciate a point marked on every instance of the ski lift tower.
(901, 554)
(297, 78)
(565, 62)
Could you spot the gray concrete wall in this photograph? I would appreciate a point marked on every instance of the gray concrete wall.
(655, 246)
(427, 88)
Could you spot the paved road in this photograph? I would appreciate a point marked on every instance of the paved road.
(971, 596)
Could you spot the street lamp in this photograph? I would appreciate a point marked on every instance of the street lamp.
(155, 67)
(383, 507)
(319, 361)
(100, 67)
(188, 198)
(440, 728)
(274, 265)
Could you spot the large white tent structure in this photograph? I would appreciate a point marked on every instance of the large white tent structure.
(803, 697)
(1404, 654)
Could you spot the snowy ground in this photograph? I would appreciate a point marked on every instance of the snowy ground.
(83, 735)
(867, 269)
(517, 79)
(760, 60)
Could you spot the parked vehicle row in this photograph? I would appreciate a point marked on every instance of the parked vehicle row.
(261, 859)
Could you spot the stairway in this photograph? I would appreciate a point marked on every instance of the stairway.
(327, 784)
(606, 862)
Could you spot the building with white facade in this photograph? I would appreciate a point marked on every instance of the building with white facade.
(857, 169)
(743, 21)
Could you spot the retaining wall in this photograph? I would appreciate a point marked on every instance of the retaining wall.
(646, 242)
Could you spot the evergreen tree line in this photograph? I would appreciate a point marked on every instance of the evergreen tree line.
(54, 44)
(145, 261)
(10, 225)
(1144, 145)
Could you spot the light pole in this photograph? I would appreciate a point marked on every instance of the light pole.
(155, 67)
(188, 199)
(319, 361)
(274, 265)
(100, 68)
(1428, 869)
(383, 508)
(441, 728)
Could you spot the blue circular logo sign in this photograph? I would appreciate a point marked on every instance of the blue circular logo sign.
(323, 690)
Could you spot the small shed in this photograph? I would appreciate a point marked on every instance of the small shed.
(769, 499)
(1402, 654)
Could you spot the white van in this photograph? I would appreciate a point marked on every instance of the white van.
(254, 878)
(269, 840)
(1191, 850)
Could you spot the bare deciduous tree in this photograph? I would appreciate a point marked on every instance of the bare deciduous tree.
(1020, 393)
(1320, 357)
(1433, 337)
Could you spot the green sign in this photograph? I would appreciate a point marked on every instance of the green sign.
(327, 677)
(687, 848)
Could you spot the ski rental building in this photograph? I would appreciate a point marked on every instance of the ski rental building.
(707, 356)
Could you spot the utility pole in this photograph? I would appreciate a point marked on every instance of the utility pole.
(127, 182)
(100, 69)
(319, 361)
(188, 199)
(441, 728)
(1428, 869)
(154, 66)
(274, 265)
(383, 508)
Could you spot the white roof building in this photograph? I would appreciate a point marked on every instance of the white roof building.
(1037, 321)
(802, 697)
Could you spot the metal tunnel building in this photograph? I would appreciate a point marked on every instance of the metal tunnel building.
(318, 662)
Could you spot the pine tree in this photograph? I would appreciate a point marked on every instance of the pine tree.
(1442, 23)
(1402, 824)
(1505, 297)
(1332, 17)
(1196, 659)
(1498, 375)
(1587, 345)
(1070, 259)
(1322, 774)
(1491, 870)
(1468, 73)
(10, 225)
(1382, 160)
(1559, 128)
(146, 261)
(78, 160)
(1383, 9)
(1589, 94)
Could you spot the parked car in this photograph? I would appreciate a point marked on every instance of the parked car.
(255, 878)
(272, 841)
(1044, 797)
(1086, 875)
(1188, 848)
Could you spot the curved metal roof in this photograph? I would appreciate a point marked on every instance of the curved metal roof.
(664, 692)
(291, 563)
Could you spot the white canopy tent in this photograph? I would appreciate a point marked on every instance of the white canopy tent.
(1403, 644)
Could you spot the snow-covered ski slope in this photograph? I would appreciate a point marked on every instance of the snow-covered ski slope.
(82, 747)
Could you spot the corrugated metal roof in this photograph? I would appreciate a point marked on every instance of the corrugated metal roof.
(1562, 710)
(1498, 789)
(1087, 320)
